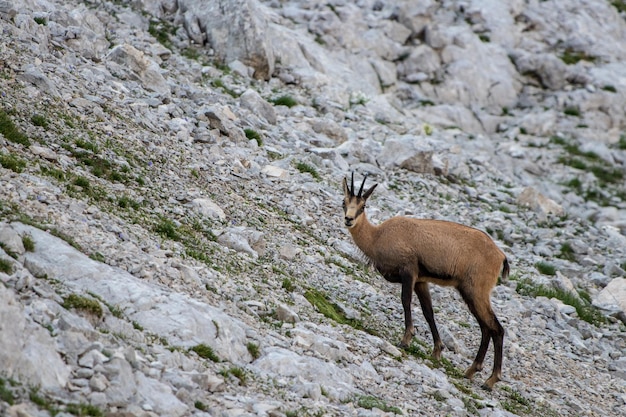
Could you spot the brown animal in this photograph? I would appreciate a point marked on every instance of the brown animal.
(416, 252)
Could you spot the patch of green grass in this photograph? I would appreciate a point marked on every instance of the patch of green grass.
(87, 145)
(254, 350)
(369, 402)
(201, 406)
(11, 132)
(54, 408)
(82, 182)
(82, 303)
(609, 88)
(12, 162)
(420, 352)
(67, 238)
(52, 172)
(572, 111)
(161, 32)
(608, 175)
(254, 135)
(620, 5)
(193, 54)
(167, 229)
(575, 183)
(41, 21)
(545, 268)
(217, 83)
(288, 285)
(6, 395)
(34, 396)
(28, 243)
(567, 252)
(237, 372)
(98, 257)
(39, 120)
(330, 310)
(516, 403)
(285, 100)
(127, 202)
(581, 302)
(83, 410)
(6, 266)
(571, 57)
(205, 352)
(304, 167)
(573, 162)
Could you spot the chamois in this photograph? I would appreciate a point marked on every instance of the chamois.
(416, 252)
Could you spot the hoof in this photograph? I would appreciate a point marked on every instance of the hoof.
(488, 385)
(403, 346)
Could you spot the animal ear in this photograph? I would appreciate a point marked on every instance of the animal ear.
(369, 192)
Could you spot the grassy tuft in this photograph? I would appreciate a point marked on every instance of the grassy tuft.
(237, 372)
(581, 302)
(330, 310)
(516, 403)
(39, 120)
(369, 402)
(6, 395)
(167, 229)
(254, 350)
(28, 242)
(82, 303)
(6, 266)
(288, 285)
(284, 101)
(254, 135)
(304, 167)
(12, 162)
(205, 352)
(545, 268)
(11, 132)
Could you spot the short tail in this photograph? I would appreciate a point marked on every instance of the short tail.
(505, 269)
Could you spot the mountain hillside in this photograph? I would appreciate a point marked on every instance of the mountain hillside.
(172, 241)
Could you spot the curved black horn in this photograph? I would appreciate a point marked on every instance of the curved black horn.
(352, 185)
(362, 184)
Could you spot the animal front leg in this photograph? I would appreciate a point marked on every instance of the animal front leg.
(407, 295)
(421, 289)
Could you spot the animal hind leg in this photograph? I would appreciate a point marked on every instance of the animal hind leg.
(497, 335)
(423, 294)
(490, 329)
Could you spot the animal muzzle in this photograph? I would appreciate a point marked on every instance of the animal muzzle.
(349, 221)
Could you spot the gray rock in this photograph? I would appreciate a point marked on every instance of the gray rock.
(539, 203)
(126, 61)
(613, 297)
(10, 240)
(235, 29)
(208, 208)
(253, 101)
(159, 397)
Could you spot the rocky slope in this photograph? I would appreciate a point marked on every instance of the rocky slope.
(171, 241)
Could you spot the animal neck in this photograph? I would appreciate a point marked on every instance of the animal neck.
(363, 234)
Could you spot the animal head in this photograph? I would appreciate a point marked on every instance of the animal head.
(354, 205)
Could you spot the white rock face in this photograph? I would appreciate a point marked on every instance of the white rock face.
(180, 320)
(181, 269)
(25, 346)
